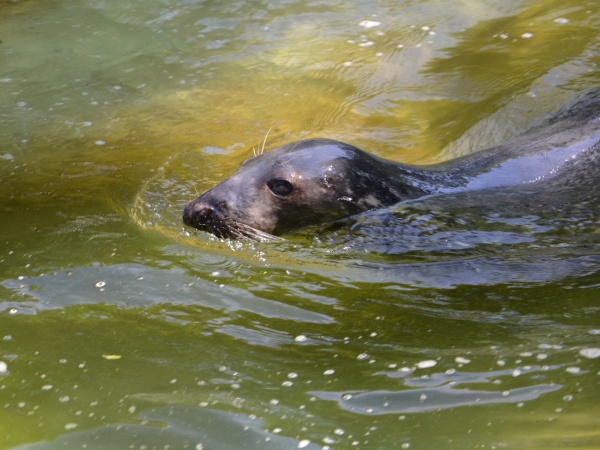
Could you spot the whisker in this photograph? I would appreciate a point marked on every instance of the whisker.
(265, 141)
(238, 230)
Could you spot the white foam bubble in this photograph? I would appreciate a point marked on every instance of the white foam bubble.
(426, 364)
(591, 353)
(369, 23)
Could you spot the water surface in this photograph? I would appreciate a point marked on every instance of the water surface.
(437, 324)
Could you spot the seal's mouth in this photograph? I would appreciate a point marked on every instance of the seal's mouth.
(206, 218)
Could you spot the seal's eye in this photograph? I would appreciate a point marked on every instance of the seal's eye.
(281, 187)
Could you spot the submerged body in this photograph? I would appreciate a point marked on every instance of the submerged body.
(320, 180)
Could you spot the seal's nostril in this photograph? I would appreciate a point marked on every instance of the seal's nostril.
(208, 207)
(205, 212)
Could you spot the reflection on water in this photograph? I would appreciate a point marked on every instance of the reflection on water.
(178, 427)
(428, 399)
(449, 322)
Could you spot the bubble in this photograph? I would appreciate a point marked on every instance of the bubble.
(591, 353)
(369, 24)
(426, 364)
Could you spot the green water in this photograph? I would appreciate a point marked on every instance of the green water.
(120, 329)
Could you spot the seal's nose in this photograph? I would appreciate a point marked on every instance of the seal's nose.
(201, 212)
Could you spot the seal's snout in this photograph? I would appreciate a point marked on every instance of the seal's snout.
(201, 213)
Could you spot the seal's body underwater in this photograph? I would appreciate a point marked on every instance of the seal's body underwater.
(320, 180)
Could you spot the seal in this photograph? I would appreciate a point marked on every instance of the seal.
(317, 181)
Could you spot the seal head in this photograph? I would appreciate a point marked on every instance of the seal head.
(299, 184)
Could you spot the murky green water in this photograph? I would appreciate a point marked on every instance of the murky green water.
(120, 329)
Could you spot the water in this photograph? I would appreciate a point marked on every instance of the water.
(120, 329)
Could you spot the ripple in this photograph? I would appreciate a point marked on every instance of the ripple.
(428, 399)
